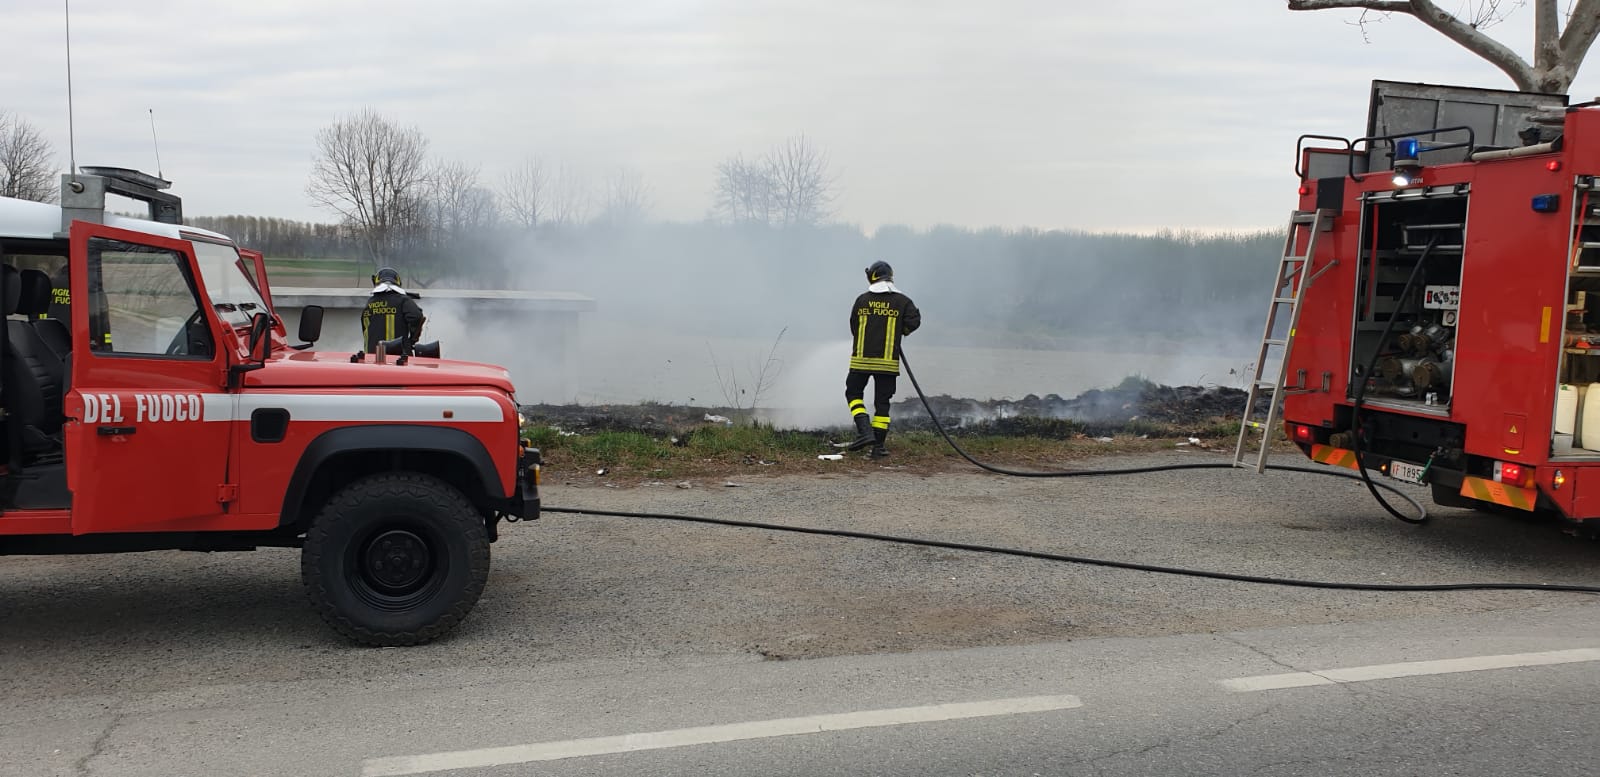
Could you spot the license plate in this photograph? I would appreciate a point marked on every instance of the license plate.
(1410, 473)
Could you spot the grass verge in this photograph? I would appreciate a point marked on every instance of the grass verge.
(724, 452)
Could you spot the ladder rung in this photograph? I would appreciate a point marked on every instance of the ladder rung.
(1295, 258)
(1305, 218)
(1266, 384)
(1276, 342)
(1283, 299)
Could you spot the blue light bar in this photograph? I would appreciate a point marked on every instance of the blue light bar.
(1406, 148)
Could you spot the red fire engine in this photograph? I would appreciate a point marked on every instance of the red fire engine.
(1437, 317)
(152, 401)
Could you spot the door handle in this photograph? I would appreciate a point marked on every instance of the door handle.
(113, 431)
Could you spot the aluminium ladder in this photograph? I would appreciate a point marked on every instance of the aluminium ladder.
(1291, 282)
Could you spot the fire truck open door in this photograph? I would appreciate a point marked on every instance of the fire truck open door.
(146, 383)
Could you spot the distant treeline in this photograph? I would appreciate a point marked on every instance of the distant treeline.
(284, 238)
(711, 276)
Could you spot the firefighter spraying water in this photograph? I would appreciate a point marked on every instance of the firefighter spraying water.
(879, 319)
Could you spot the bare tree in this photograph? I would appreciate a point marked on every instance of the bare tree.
(374, 174)
(457, 223)
(801, 184)
(525, 191)
(27, 162)
(456, 198)
(790, 186)
(627, 198)
(1557, 54)
(743, 191)
(569, 199)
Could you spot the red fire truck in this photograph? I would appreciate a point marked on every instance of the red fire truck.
(1438, 311)
(152, 401)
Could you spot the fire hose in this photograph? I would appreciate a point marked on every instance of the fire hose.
(1086, 560)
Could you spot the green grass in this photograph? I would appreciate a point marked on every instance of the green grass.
(729, 451)
(311, 263)
(318, 272)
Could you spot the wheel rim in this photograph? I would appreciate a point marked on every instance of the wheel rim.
(396, 566)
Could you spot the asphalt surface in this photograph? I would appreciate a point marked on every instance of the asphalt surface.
(169, 663)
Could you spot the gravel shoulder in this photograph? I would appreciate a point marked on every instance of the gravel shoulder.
(575, 588)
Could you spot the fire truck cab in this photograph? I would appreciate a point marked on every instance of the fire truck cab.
(1449, 330)
(152, 401)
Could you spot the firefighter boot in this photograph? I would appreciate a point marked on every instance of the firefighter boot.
(878, 451)
(864, 436)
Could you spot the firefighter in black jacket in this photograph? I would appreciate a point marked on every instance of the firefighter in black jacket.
(879, 318)
(390, 313)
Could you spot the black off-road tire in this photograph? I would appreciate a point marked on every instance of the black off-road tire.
(395, 559)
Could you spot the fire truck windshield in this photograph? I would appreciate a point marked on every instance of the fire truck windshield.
(233, 294)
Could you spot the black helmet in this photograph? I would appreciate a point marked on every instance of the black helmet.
(880, 271)
(386, 275)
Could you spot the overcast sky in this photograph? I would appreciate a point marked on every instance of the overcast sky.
(1117, 115)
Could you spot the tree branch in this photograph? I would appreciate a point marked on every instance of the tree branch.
(1582, 25)
(1397, 6)
(1426, 12)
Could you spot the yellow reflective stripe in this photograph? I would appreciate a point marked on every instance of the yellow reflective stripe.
(1499, 493)
(388, 327)
(858, 407)
(875, 365)
(857, 403)
(861, 335)
(880, 422)
(1336, 457)
(888, 339)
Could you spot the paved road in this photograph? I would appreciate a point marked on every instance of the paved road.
(1492, 694)
(595, 628)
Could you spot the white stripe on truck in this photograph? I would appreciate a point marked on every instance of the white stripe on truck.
(372, 408)
(123, 407)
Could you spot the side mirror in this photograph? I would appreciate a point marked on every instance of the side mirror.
(260, 336)
(260, 349)
(310, 324)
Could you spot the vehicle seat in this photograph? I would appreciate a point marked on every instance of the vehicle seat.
(33, 374)
(53, 331)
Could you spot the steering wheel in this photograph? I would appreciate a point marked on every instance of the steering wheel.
(180, 341)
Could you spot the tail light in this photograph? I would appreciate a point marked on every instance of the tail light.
(1302, 434)
(1512, 474)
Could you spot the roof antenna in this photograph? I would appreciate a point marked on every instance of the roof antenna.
(72, 150)
(155, 143)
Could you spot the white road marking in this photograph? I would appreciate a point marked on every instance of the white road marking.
(1357, 674)
(761, 729)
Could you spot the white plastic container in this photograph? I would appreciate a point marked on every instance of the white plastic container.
(1589, 420)
(1566, 409)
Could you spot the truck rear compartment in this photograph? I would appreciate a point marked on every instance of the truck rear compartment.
(1408, 343)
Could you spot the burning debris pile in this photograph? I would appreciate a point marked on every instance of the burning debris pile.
(1135, 407)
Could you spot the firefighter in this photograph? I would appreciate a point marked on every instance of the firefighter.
(879, 319)
(390, 313)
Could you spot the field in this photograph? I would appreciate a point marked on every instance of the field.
(318, 272)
